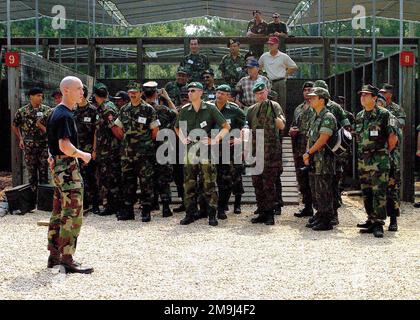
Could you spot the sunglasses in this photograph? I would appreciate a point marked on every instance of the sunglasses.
(206, 77)
(275, 17)
(192, 91)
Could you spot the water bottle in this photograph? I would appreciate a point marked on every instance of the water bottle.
(246, 132)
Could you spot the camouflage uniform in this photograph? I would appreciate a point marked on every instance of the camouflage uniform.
(108, 154)
(394, 183)
(195, 64)
(206, 118)
(138, 152)
(163, 172)
(233, 69)
(229, 176)
(174, 91)
(35, 151)
(261, 116)
(372, 131)
(262, 28)
(67, 215)
(302, 119)
(86, 118)
(322, 175)
(209, 94)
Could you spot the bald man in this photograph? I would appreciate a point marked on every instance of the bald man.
(67, 214)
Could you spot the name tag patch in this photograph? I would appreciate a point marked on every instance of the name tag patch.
(87, 119)
(142, 120)
(374, 133)
(39, 114)
(203, 124)
(211, 96)
(190, 61)
(238, 69)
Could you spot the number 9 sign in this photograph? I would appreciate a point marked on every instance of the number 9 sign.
(12, 59)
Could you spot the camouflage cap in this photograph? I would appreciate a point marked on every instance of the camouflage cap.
(387, 87)
(100, 85)
(368, 88)
(182, 70)
(196, 85)
(321, 84)
(320, 92)
(258, 86)
(208, 71)
(232, 41)
(100, 90)
(133, 86)
(308, 84)
(224, 88)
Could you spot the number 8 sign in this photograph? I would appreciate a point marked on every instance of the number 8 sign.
(12, 59)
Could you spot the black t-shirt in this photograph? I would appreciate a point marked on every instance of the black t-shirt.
(276, 27)
(61, 125)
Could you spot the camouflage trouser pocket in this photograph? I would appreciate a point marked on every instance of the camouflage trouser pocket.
(67, 174)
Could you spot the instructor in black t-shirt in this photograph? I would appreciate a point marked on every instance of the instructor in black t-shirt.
(66, 218)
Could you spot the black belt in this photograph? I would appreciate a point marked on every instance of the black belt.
(279, 79)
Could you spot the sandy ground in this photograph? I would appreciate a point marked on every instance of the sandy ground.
(236, 260)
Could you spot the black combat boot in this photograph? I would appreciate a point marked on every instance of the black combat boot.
(180, 208)
(166, 210)
(95, 209)
(277, 210)
(312, 221)
(202, 213)
(53, 260)
(145, 213)
(72, 266)
(334, 220)
(237, 204)
(378, 230)
(269, 217)
(261, 218)
(126, 213)
(393, 226)
(323, 224)
(307, 211)
(366, 225)
(108, 211)
(212, 216)
(221, 214)
(189, 218)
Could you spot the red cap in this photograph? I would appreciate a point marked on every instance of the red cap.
(273, 40)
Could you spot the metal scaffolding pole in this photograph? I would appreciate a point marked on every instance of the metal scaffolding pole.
(400, 80)
(94, 17)
(37, 25)
(9, 32)
(374, 42)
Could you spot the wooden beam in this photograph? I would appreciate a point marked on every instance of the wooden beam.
(408, 145)
(92, 58)
(326, 57)
(13, 83)
(140, 60)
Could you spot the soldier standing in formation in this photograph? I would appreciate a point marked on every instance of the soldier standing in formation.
(209, 92)
(67, 215)
(393, 201)
(199, 115)
(257, 27)
(229, 175)
(298, 131)
(320, 160)
(266, 115)
(233, 65)
(376, 132)
(107, 150)
(29, 128)
(163, 173)
(137, 126)
(86, 117)
(195, 63)
(174, 88)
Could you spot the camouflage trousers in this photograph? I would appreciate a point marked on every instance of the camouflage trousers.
(303, 181)
(374, 184)
(67, 215)
(279, 189)
(162, 179)
(110, 180)
(91, 192)
(192, 186)
(140, 167)
(178, 175)
(322, 194)
(229, 181)
(36, 156)
(393, 199)
(265, 185)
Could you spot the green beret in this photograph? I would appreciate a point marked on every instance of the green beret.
(197, 85)
(258, 86)
(224, 88)
(99, 85)
(133, 86)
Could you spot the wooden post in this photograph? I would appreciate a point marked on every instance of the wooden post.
(408, 145)
(13, 83)
(326, 58)
(45, 49)
(140, 60)
(92, 58)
